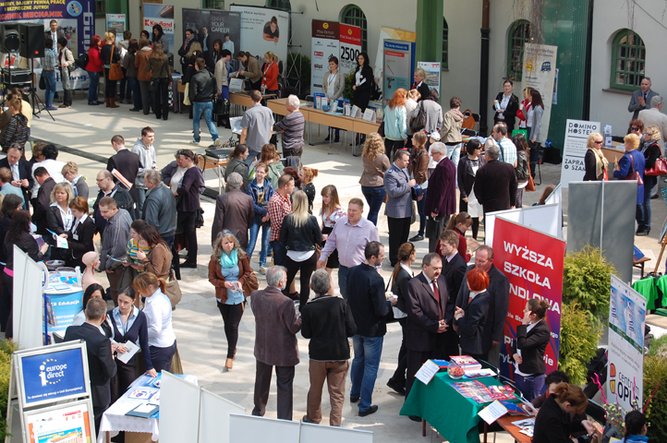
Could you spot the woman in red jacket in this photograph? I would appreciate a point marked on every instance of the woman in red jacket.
(270, 74)
(94, 67)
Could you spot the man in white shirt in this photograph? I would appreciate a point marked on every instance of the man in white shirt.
(144, 147)
(506, 146)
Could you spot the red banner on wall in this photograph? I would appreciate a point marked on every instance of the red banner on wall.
(533, 264)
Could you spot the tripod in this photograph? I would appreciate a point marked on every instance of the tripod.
(37, 104)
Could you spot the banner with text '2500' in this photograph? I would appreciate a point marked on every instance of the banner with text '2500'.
(533, 264)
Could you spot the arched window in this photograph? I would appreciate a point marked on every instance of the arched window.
(353, 15)
(279, 4)
(628, 60)
(518, 35)
(445, 45)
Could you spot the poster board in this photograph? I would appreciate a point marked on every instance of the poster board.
(387, 33)
(533, 264)
(163, 15)
(214, 417)
(432, 70)
(211, 25)
(539, 72)
(350, 47)
(399, 62)
(76, 19)
(574, 150)
(251, 429)
(324, 44)
(116, 23)
(259, 35)
(69, 422)
(28, 283)
(544, 218)
(179, 410)
(627, 315)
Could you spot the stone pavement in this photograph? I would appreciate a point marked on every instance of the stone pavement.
(85, 132)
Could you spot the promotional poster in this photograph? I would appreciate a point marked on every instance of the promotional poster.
(399, 64)
(117, 22)
(60, 309)
(432, 70)
(163, 15)
(51, 376)
(70, 422)
(533, 264)
(539, 72)
(210, 25)
(350, 47)
(574, 150)
(324, 44)
(627, 315)
(264, 30)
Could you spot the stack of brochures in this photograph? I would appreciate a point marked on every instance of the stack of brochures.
(480, 393)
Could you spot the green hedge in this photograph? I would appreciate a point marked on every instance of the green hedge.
(579, 338)
(586, 277)
(6, 349)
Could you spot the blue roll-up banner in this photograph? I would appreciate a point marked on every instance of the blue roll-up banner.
(399, 63)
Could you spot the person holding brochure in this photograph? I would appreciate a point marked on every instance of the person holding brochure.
(532, 337)
(471, 315)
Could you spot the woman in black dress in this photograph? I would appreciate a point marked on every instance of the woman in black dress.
(363, 82)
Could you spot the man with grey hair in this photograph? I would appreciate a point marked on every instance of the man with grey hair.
(654, 116)
(276, 325)
(160, 206)
(641, 98)
(327, 321)
(495, 183)
(291, 127)
(234, 211)
(440, 195)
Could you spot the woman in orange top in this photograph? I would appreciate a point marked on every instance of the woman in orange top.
(270, 74)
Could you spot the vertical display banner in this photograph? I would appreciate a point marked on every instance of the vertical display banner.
(350, 47)
(387, 33)
(324, 44)
(399, 62)
(574, 150)
(263, 30)
(117, 23)
(76, 18)
(627, 315)
(539, 72)
(533, 264)
(60, 308)
(211, 25)
(163, 15)
(432, 70)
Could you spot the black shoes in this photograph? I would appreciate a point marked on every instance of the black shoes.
(415, 418)
(354, 399)
(396, 386)
(187, 264)
(417, 237)
(372, 410)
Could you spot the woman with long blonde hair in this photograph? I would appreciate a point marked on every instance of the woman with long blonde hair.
(59, 218)
(375, 163)
(109, 54)
(300, 234)
(331, 213)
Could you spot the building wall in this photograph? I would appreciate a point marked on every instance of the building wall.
(609, 16)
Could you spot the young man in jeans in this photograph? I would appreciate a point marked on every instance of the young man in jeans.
(202, 94)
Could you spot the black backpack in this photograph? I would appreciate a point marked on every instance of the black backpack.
(82, 60)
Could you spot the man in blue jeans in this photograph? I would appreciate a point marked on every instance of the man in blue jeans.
(369, 308)
(202, 94)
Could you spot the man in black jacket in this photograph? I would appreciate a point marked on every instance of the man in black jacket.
(21, 176)
(101, 366)
(43, 201)
(495, 183)
(109, 189)
(453, 264)
(327, 321)
(202, 93)
(499, 290)
(124, 161)
(365, 289)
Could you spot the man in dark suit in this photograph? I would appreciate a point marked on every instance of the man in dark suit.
(495, 183)
(43, 201)
(441, 195)
(126, 162)
(109, 189)
(641, 98)
(398, 208)
(499, 290)
(430, 312)
(453, 264)
(101, 366)
(21, 176)
(54, 32)
(505, 106)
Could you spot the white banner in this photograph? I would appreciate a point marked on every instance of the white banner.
(324, 44)
(264, 30)
(432, 70)
(539, 72)
(627, 314)
(576, 133)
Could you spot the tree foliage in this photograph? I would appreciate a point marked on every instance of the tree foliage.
(579, 336)
(586, 277)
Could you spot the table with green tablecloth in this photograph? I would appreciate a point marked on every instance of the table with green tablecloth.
(451, 414)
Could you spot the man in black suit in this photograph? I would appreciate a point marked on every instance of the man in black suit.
(43, 201)
(495, 183)
(126, 162)
(505, 106)
(453, 265)
(21, 176)
(430, 310)
(499, 290)
(101, 366)
(109, 189)
(54, 32)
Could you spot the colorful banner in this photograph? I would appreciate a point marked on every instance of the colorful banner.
(66, 423)
(625, 349)
(117, 23)
(263, 30)
(387, 33)
(433, 71)
(210, 25)
(399, 62)
(163, 15)
(52, 375)
(324, 44)
(350, 47)
(574, 150)
(60, 310)
(533, 264)
(539, 72)
(76, 18)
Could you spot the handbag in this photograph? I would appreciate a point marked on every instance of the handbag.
(186, 95)
(530, 187)
(115, 71)
(42, 82)
(250, 284)
(634, 175)
(658, 169)
(173, 290)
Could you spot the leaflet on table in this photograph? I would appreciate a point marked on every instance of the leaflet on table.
(144, 410)
(480, 393)
(466, 362)
(144, 393)
(131, 350)
(492, 412)
(427, 372)
(516, 408)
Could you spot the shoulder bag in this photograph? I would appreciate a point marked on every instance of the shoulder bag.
(250, 283)
(115, 71)
(173, 290)
(658, 169)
